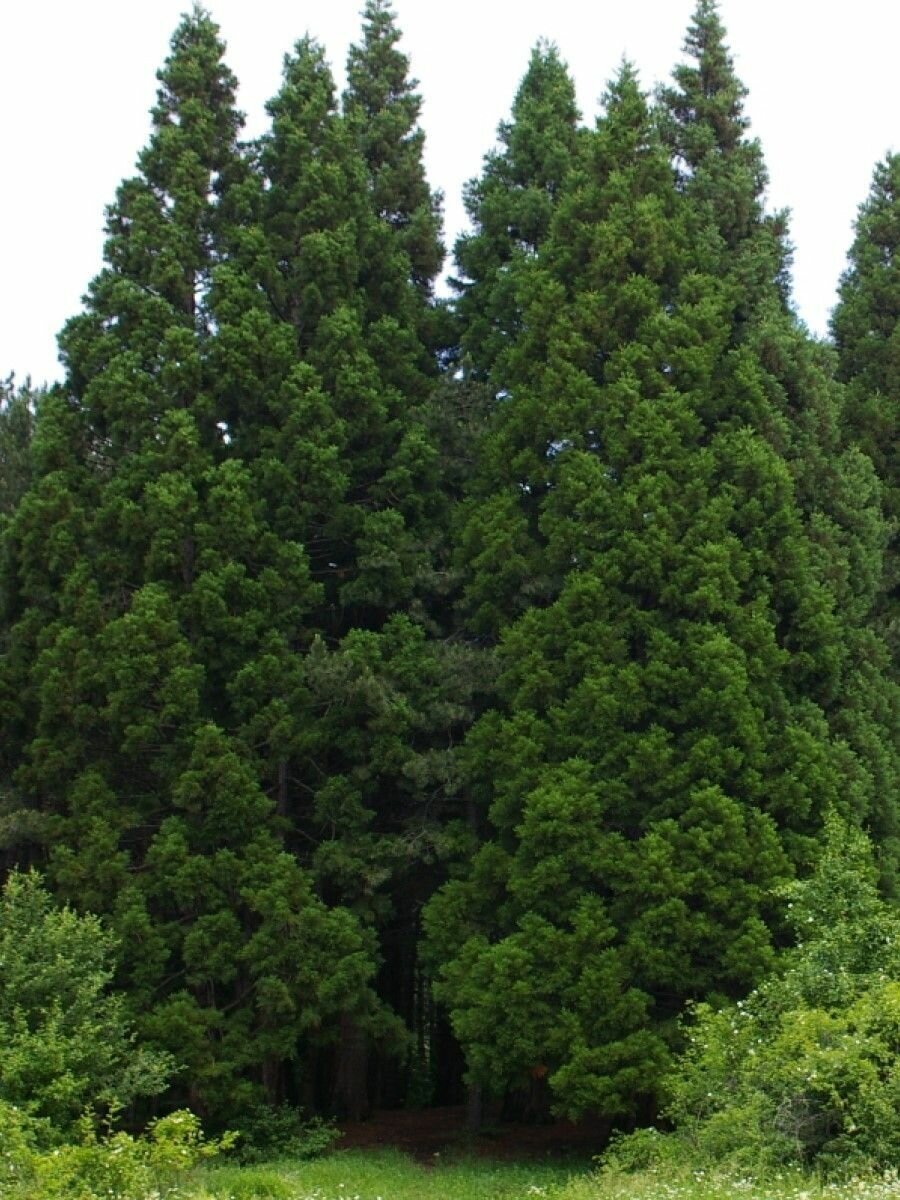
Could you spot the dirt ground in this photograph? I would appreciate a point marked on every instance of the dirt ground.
(438, 1132)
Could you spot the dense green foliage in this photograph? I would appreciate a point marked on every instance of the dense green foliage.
(383, 108)
(679, 695)
(65, 1042)
(94, 1166)
(512, 204)
(410, 694)
(17, 417)
(866, 326)
(152, 591)
(804, 1070)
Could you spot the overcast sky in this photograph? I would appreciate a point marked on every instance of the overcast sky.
(78, 78)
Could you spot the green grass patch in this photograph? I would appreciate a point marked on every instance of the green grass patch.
(390, 1175)
(387, 1175)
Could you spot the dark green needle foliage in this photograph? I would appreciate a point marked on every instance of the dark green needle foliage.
(559, 655)
(511, 205)
(148, 579)
(321, 351)
(655, 764)
(383, 108)
(362, 359)
(719, 165)
(866, 327)
(18, 409)
(722, 173)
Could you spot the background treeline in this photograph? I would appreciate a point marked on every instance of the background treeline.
(427, 694)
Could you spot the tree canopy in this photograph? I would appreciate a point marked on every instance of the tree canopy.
(402, 694)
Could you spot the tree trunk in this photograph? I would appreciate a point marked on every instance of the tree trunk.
(474, 1108)
(349, 1097)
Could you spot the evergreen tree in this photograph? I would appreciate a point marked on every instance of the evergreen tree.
(383, 107)
(17, 415)
(327, 378)
(656, 763)
(147, 580)
(719, 166)
(866, 327)
(511, 205)
(320, 234)
(722, 173)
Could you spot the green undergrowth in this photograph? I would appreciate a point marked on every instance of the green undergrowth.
(390, 1175)
(124, 1170)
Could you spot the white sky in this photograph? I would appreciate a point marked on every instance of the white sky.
(78, 78)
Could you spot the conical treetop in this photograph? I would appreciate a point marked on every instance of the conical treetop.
(383, 106)
(511, 205)
(708, 130)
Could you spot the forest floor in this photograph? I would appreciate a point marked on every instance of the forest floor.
(435, 1133)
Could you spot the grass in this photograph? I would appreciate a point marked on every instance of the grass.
(386, 1175)
(390, 1175)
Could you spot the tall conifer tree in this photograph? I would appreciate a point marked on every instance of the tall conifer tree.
(655, 764)
(866, 327)
(147, 576)
(723, 175)
(511, 205)
(719, 165)
(383, 107)
(327, 372)
(17, 416)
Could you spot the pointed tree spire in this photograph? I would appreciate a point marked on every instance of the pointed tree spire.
(314, 198)
(720, 166)
(18, 405)
(319, 347)
(866, 327)
(512, 203)
(722, 173)
(184, 172)
(383, 107)
(708, 101)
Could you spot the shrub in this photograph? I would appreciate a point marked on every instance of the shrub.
(269, 1133)
(65, 1040)
(94, 1167)
(807, 1068)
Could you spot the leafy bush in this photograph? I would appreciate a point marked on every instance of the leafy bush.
(807, 1069)
(268, 1133)
(115, 1167)
(644, 1148)
(65, 1041)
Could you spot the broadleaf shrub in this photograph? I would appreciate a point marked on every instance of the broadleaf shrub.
(805, 1070)
(66, 1044)
(93, 1166)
